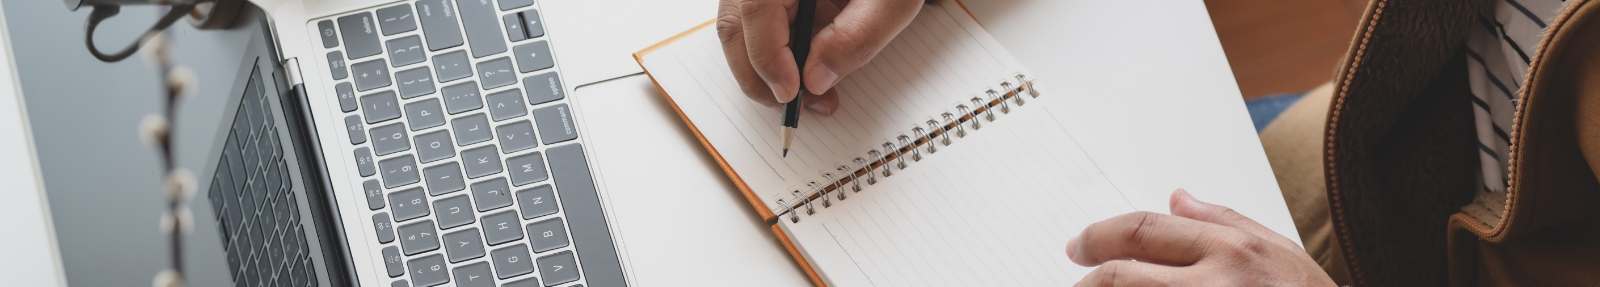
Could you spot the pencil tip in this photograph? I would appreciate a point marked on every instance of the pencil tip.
(785, 152)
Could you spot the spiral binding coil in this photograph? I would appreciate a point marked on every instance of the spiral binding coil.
(880, 160)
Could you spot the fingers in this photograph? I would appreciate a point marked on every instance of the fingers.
(1185, 205)
(730, 27)
(858, 33)
(1148, 237)
(1129, 273)
(825, 104)
(766, 41)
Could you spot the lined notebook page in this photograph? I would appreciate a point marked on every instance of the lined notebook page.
(994, 208)
(941, 59)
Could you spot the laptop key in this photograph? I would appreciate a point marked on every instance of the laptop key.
(547, 235)
(496, 73)
(542, 88)
(452, 66)
(396, 19)
(392, 262)
(444, 178)
(471, 129)
(507, 104)
(513, 23)
(336, 65)
(390, 139)
(374, 194)
(400, 283)
(474, 275)
(512, 261)
(370, 74)
(586, 220)
(364, 162)
(329, 38)
(537, 201)
(418, 237)
(463, 245)
(526, 169)
(530, 23)
(428, 271)
(516, 136)
(513, 4)
(398, 171)
(491, 194)
(360, 35)
(379, 107)
(481, 161)
(384, 226)
(347, 96)
(439, 24)
(534, 56)
(555, 124)
(530, 282)
(483, 32)
(414, 82)
(435, 146)
(454, 211)
(424, 114)
(406, 50)
(462, 97)
(352, 125)
(409, 204)
(501, 227)
(561, 268)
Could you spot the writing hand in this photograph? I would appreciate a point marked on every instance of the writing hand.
(848, 34)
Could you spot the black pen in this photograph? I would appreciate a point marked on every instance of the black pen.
(800, 43)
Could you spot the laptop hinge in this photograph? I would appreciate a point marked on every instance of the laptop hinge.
(291, 67)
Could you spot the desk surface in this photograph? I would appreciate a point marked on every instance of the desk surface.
(1150, 75)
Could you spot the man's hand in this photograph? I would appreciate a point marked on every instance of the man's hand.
(755, 38)
(1202, 245)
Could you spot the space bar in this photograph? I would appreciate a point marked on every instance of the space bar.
(596, 252)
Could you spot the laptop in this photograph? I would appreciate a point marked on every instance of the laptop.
(408, 143)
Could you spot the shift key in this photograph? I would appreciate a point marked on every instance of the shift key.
(483, 27)
(439, 24)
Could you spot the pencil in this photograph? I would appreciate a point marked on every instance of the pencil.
(800, 43)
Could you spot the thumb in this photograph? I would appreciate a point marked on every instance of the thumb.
(1185, 205)
(854, 37)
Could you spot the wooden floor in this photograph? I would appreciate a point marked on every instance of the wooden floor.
(1284, 46)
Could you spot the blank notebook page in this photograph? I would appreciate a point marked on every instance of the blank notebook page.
(941, 59)
(994, 208)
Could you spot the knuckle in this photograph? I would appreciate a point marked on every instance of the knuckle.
(729, 27)
(1139, 227)
(1109, 273)
(855, 39)
(1242, 246)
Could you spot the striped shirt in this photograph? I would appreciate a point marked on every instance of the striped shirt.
(1499, 50)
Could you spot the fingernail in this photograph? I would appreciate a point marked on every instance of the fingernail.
(822, 77)
(1073, 247)
(778, 92)
(820, 108)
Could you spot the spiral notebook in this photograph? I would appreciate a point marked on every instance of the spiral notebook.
(945, 165)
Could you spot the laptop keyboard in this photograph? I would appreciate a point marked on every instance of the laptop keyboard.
(257, 213)
(471, 166)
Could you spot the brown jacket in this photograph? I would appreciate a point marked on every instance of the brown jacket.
(1401, 166)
